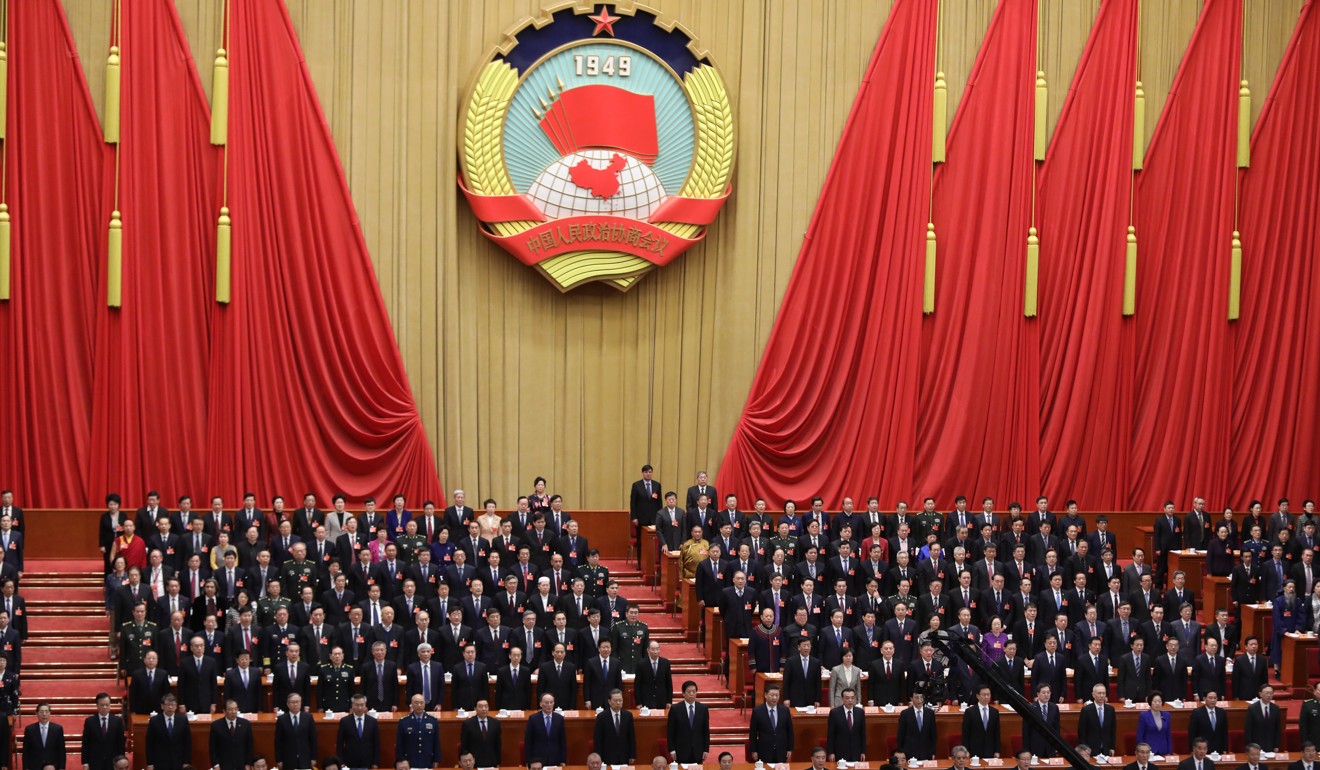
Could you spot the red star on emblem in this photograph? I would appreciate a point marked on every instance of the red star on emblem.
(604, 21)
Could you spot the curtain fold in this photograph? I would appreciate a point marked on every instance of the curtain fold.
(153, 353)
(1084, 196)
(979, 402)
(309, 391)
(830, 406)
(1276, 344)
(1185, 198)
(54, 158)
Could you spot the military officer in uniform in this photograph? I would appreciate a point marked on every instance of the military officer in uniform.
(630, 639)
(274, 600)
(1309, 721)
(929, 521)
(299, 573)
(418, 738)
(783, 541)
(334, 687)
(411, 543)
(277, 637)
(136, 637)
(594, 575)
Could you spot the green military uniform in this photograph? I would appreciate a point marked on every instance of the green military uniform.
(630, 640)
(275, 644)
(910, 600)
(266, 609)
(409, 545)
(1309, 722)
(926, 523)
(596, 579)
(294, 575)
(134, 643)
(334, 688)
(786, 544)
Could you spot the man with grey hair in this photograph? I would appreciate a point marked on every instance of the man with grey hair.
(458, 515)
(960, 757)
(426, 678)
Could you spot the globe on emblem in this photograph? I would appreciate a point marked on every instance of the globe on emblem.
(610, 182)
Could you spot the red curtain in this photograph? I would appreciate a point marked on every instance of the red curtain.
(1274, 449)
(979, 403)
(1185, 199)
(152, 354)
(1084, 195)
(53, 186)
(309, 391)
(830, 404)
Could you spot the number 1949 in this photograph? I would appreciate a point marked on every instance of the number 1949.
(612, 66)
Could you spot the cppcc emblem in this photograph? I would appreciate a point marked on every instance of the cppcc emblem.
(596, 143)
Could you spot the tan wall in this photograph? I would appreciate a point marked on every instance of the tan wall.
(514, 379)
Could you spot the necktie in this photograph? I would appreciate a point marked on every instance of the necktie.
(105, 726)
(426, 685)
(1211, 712)
(605, 668)
(294, 718)
(244, 673)
(231, 727)
(359, 721)
(848, 713)
(469, 671)
(169, 725)
(616, 722)
(1051, 657)
(1100, 715)
(919, 718)
(547, 724)
(292, 676)
(889, 670)
(774, 713)
(1265, 711)
(1045, 711)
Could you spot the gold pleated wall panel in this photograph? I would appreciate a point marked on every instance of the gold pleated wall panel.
(515, 380)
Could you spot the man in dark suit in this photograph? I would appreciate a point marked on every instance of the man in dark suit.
(802, 677)
(1208, 672)
(380, 680)
(1264, 721)
(426, 677)
(1250, 670)
(654, 685)
(702, 487)
(916, 729)
(231, 743)
(1095, 725)
(1033, 739)
(295, 735)
(1091, 668)
(614, 735)
(644, 500)
(1168, 537)
(1134, 672)
(1049, 667)
(688, 728)
(980, 726)
(1210, 723)
(887, 678)
(1012, 667)
(845, 735)
(513, 683)
(558, 677)
(468, 680)
(148, 685)
(671, 523)
(197, 679)
(243, 684)
(545, 737)
(43, 742)
(1170, 673)
(600, 676)
(291, 676)
(770, 732)
(358, 740)
(103, 736)
(480, 737)
(1198, 760)
(169, 739)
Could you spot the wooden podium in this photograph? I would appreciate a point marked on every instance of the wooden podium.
(1193, 564)
(648, 553)
(1258, 621)
(1218, 593)
(1296, 659)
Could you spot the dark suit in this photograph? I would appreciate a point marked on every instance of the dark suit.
(513, 693)
(197, 687)
(295, 747)
(1133, 677)
(1265, 731)
(1034, 739)
(1100, 737)
(143, 696)
(548, 745)
(1043, 673)
(372, 684)
(358, 750)
(37, 755)
(1198, 726)
(100, 748)
(801, 688)
(772, 745)
(917, 742)
(981, 740)
(1170, 677)
(689, 738)
(1208, 675)
(232, 750)
(282, 684)
(169, 749)
(465, 691)
(843, 742)
(597, 683)
(653, 688)
(436, 675)
(617, 745)
(1248, 679)
(486, 750)
(562, 685)
(1209, 764)
(249, 697)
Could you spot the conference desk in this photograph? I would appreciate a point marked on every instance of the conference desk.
(691, 611)
(1192, 563)
(670, 567)
(1297, 649)
(580, 726)
(882, 726)
(1258, 621)
(648, 553)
